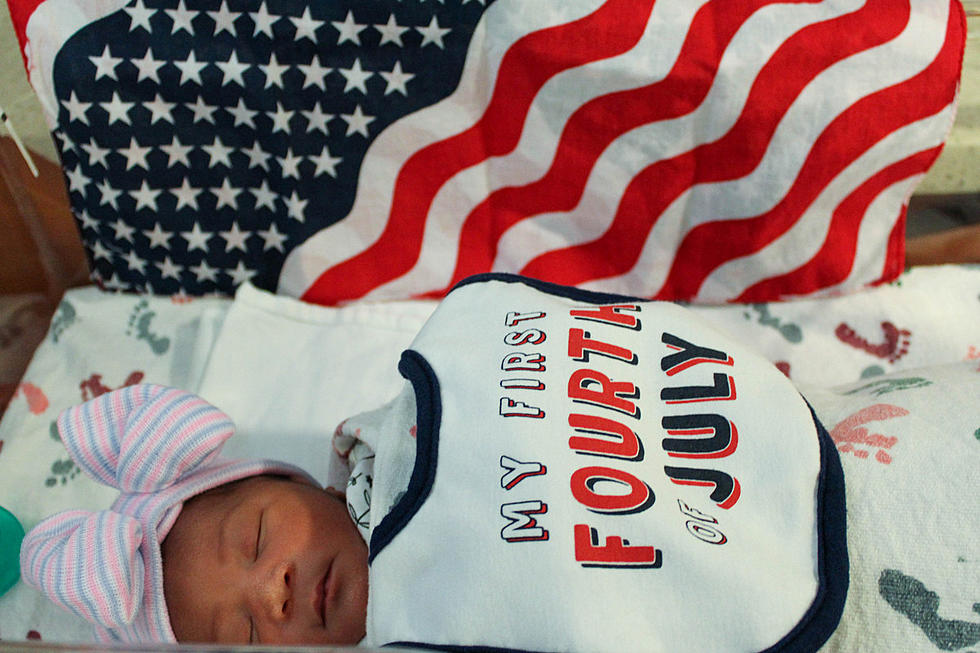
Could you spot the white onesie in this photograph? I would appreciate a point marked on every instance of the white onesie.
(568, 470)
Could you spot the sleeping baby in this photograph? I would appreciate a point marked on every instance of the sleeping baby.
(563, 470)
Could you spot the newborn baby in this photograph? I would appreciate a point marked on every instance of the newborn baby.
(564, 470)
(281, 562)
(196, 548)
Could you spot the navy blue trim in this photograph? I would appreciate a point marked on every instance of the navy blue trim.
(457, 649)
(824, 614)
(576, 294)
(428, 415)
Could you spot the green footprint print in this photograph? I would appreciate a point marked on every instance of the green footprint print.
(910, 597)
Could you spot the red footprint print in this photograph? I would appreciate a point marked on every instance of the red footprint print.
(93, 387)
(37, 401)
(895, 345)
(852, 436)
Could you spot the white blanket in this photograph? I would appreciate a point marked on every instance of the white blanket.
(288, 373)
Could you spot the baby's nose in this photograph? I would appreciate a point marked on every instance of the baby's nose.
(276, 591)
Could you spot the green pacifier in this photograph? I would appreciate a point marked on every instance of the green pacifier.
(11, 535)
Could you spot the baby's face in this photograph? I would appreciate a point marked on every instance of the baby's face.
(266, 560)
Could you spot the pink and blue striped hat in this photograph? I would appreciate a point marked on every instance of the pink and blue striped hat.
(159, 446)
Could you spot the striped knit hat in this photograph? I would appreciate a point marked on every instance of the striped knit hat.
(159, 446)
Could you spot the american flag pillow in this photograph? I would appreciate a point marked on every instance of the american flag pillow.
(701, 150)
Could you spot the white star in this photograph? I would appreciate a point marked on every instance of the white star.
(190, 68)
(356, 77)
(77, 181)
(314, 73)
(204, 272)
(196, 239)
(186, 195)
(318, 119)
(135, 154)
(232, 70)
(273, 238)
(145, 197)
(202, 111)
(148, 67)
(349, 30)
(218, 153)
(158, 236)
(105, 65)
(226, 195)
(391, 32)
(123, 230)
(357, 122)
(109, 194)
(433, 33)
(99, 251)
(88, 222)
(326, 163)
(117, 109)
(168, 269)
(113, 283)
(273, 71)
(224, 20)
(135, 262)
(295, 206)
(235, 238)
(290, 164)
(306, 26)
(160, 110)
(177, 152)
(96, 154)
(76, 109)
(263, 21)
(264, 197)
(396, 79)
(241, 274)
(64, 144)
(242, 114)
(257, 157)
(182, 18)
(139, 16)
(280, 119)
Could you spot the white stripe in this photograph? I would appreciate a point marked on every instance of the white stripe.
(828, 95)
(393, 147)
(807, 235)
(650, 60)
(871, 254)
(761, 35)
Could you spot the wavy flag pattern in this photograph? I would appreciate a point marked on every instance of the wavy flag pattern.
(704, 150)
(636, 188)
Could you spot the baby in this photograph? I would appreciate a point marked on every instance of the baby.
(282, 559)
(196, 548)
(564, 470)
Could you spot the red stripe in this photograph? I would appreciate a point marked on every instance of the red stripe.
(525, 68)
(832, 264)
(851, 134)
(597, 124)
(895, 252)
(20, 14)
(794, 65)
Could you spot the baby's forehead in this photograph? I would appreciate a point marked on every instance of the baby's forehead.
(253, 484)
(213, 503)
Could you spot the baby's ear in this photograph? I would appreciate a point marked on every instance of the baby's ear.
(336, 494)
